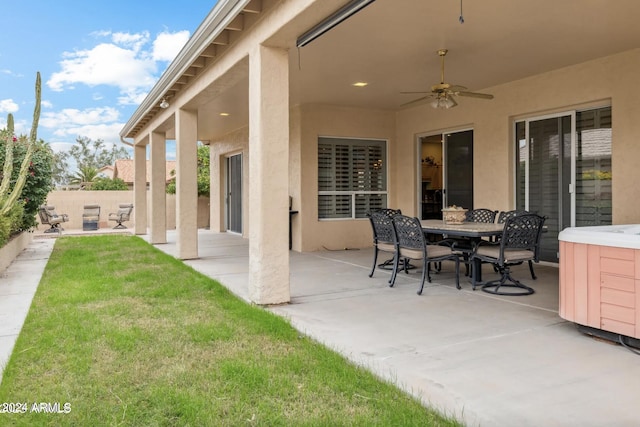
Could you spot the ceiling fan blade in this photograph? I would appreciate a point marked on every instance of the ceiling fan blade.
(422, 91)
(415, 101)
(475, 95)
(456, 88)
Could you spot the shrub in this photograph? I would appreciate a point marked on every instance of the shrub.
(108, 184)
(38, 183)
(9, 223)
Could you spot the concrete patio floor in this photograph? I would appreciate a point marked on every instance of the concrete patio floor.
(487, 360)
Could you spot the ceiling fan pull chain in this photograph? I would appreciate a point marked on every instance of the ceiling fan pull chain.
(461, 18)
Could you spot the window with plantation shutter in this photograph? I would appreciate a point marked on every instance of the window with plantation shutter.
(352, 177)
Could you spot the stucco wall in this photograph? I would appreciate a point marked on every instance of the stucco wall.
(72, 203)
(326, 120)
(606, 81)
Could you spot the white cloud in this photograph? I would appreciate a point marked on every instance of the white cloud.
(61, 146)
(126, 62)
(105, 64)
(46, 104)
(72, 116)
(167, 45)
(8, 106)
(106, 132)
(95, 123)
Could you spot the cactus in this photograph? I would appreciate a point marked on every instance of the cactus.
(7, 201)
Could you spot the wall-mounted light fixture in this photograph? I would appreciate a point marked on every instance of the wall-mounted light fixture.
(334, 19)
(164, 103)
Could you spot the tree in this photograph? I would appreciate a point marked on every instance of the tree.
(60, 169)
(87, 154)
(204, 182)
(85, 175)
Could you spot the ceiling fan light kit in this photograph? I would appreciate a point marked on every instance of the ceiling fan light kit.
(444, 93)
(443, 102)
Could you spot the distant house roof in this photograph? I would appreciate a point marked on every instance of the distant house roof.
(124, 170)
(106, 171)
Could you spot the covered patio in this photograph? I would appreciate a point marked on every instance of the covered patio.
(488, 360)
(283, 116)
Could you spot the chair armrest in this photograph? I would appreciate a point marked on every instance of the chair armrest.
(483, 243)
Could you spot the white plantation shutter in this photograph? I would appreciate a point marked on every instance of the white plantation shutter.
(351, 177)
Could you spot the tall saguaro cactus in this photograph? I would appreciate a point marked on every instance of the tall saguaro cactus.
(8, 199)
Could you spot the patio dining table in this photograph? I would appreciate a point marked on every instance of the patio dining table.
(474, 231)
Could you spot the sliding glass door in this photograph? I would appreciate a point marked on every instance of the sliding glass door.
(446, 162)
(563, 171)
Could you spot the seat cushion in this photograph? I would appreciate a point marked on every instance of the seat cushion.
(387, 247)
(437, 251)
(411, 253)
(511, 255)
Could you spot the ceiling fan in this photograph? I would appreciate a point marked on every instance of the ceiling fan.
(443, 93)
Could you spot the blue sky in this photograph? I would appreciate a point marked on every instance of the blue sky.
(98, 59)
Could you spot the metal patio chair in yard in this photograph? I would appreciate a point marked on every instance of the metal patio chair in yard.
(123, 214)
(411, 243)
(48, 216)
(520, 242)
(90, 217)
(383, 240)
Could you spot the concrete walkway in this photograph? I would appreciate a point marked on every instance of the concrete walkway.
(18, 284)
(489, 361)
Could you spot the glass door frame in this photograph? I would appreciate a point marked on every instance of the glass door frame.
(573, 143)
(228, 203)
(418, 147)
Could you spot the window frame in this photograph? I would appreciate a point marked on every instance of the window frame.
(351, 193)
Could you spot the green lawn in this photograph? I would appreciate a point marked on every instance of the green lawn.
(124, 334)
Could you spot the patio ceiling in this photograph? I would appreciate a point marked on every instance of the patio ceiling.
(392, 45)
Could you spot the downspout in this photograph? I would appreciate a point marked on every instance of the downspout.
(125, 142)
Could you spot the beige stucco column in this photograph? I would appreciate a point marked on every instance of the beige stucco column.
(158, 165)
(140, 189)
(268, 176)
(187, 184)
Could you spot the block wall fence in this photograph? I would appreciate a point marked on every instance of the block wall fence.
(72, 203)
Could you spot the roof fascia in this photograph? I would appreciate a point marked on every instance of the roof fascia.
(216, 21)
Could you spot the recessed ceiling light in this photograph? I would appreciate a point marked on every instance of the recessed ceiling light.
(360, 84)
(224, 114)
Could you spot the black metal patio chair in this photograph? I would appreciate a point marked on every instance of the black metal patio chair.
(465, 246)
(383, 236)
(520, 241)
(411, 243)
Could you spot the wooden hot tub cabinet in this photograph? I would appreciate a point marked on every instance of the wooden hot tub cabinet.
(600, 278)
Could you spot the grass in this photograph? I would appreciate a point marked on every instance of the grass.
(129, 336)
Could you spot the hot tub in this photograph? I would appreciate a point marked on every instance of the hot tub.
(600, 278)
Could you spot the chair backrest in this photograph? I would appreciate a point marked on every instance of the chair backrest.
(91, 211)
(409, 233)
(503, 216)
(42, 213)
(124, 211)
(523, 232)
(481, 215)
(382, 225)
